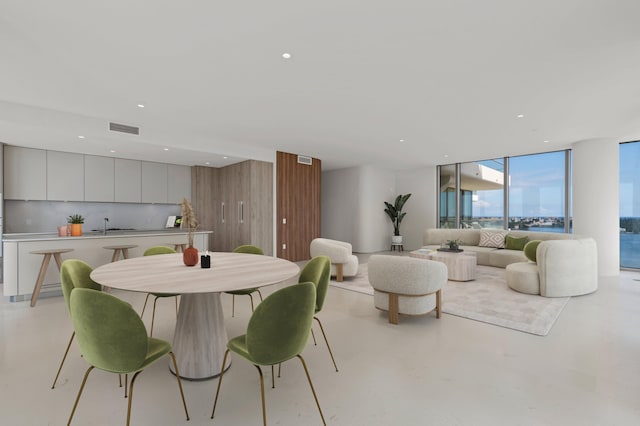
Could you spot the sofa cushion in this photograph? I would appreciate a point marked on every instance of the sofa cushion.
(493, 239)
(515, 243)
(530, 249)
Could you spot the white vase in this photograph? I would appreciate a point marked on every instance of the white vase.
(396, 239)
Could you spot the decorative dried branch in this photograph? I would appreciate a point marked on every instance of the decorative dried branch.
(188, 219)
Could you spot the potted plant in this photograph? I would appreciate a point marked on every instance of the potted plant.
(76, 222)
(394, 211)
(190, 254)
(454, 244)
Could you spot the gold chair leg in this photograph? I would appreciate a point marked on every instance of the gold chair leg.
(264, 410)
(175, 366)
(153, 315)
(273, 379)
(146, 299)
(133, 379)
(63, 359)
(314, 338)
(279, 368)
(251, 297)
(215, 401)
(126, 384)
(75, 405)
(327, 342)
(260, 294)
(176, 299)
(312, 389)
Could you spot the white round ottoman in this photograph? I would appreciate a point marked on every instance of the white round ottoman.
(523, 277)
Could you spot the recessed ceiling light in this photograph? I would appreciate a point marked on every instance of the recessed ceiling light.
(225, 158)
(286, 55)
(207, 162)
(520, 115)
(80, 137)
(112, 150)
(166, 149)
(446, 156)
(140, 105)
(401, 140)
(546, 141)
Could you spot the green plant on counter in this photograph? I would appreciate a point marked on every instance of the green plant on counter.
(75, 218)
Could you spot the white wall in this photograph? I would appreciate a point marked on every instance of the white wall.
(596, 202)
(375, 228)
(421, 206)
(353, 206)
(340, 209)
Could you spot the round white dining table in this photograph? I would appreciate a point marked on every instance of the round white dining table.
(200, 336)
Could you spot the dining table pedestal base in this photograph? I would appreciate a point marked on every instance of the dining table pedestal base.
(200, 338)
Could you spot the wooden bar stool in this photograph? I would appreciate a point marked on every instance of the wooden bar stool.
(178, 247)
(124, 249)
(43, 268)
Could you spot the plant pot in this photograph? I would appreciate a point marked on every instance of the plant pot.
(396, 239)
(190, 256)
(76, 229)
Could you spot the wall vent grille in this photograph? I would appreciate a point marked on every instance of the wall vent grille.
(115, 127)
(308, 161)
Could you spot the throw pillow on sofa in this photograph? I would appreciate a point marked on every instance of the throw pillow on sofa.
(493, 239)
(515, 243)
(530, 249)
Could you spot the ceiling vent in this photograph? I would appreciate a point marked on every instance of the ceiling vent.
(115, 127)
(305, 160)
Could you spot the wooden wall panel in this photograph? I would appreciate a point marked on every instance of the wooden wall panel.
(298, 189)
(204, 199)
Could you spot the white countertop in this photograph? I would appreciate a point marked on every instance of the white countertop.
(46, 236)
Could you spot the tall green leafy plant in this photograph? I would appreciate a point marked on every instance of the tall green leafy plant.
(394, 211)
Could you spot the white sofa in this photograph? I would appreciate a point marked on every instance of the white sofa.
(406, 285)
(343, 262)
(488, 256)
(562, 268)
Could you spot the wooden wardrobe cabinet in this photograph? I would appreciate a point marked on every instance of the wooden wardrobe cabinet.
(238, 200)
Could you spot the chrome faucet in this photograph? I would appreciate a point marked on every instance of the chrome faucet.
(106, 219)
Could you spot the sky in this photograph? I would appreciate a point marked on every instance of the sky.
(537, 186)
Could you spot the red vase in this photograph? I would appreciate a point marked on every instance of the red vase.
(190, 256)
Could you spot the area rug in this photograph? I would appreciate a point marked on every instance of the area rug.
(486, 299)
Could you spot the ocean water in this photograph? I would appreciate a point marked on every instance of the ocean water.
(629, 250)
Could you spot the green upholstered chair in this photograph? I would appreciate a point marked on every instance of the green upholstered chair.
(318, 271)
(277, 331)
(112, 338)
(249, 249)
(151, 252)
(74, 273)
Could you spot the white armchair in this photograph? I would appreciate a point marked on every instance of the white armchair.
(343, 262)
(406, 285)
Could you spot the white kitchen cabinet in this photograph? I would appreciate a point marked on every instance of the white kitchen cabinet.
(178, 183)
(128, 175)
(99, 178)
(154, 182)
(25, 173)
(65, 176)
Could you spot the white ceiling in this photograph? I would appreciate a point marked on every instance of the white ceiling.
(448, 77)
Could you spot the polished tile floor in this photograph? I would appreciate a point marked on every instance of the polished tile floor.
(451, 371)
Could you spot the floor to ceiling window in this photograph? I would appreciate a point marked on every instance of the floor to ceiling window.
(483, 181)
(537, 192)
(630, 205)
(472, 195)
(448, 201)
